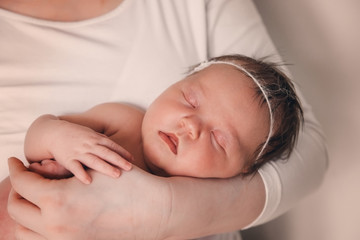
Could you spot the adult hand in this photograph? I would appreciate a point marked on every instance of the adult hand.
(69, 209)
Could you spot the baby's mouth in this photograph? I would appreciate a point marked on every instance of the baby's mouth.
(171, 140)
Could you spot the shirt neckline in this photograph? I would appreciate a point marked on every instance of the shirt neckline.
(66, 24)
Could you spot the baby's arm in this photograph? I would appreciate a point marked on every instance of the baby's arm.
(77, 140)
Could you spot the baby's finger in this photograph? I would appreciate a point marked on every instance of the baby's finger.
(79, 172)
(100, 165)
(107, 142)
(111, 156)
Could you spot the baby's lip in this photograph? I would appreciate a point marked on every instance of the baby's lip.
(171, 140)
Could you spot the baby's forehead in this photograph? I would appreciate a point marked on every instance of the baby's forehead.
(219, 74)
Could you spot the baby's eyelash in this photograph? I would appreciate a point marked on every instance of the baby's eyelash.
(191, 100)
(218, 139)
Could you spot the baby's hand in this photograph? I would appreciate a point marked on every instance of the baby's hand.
(50, 169)
(76, 145)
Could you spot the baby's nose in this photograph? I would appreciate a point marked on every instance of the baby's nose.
(191, 125)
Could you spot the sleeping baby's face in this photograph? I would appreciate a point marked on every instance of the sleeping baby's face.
(207, 125)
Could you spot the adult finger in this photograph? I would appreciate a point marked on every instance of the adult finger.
(28, 184)
(24, 212)
(26, 234)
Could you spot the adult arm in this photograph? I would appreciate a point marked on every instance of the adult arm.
(126, 208)
(286, 181)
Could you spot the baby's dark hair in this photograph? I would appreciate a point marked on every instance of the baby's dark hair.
(285, 107)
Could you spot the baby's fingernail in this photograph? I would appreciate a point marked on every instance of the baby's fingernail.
(116, 173)
(87, 180)
(128, 166)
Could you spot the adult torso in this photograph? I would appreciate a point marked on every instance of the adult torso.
(60, 10)
(129, 54)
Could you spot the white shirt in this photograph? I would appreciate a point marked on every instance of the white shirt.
(132, 54)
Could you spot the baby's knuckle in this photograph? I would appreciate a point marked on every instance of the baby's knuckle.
(105, 151)
(92, 160)
(87, 145)
(112, 144)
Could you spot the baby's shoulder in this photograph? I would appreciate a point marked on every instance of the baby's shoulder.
(120, 108)
(124, 123)
(120, 115)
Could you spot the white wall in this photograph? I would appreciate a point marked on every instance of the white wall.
(321, 38)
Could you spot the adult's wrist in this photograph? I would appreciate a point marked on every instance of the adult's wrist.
(202, 207)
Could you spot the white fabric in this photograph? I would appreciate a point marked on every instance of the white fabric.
(223, 236)
(132, 54)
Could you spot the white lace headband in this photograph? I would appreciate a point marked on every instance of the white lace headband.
(206, 64)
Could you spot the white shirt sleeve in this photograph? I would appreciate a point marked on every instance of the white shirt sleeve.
(235, 26)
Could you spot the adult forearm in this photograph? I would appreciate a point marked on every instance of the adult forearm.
(202, 207)
(126, 208)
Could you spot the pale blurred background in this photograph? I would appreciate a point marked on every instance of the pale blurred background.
(321, 38)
